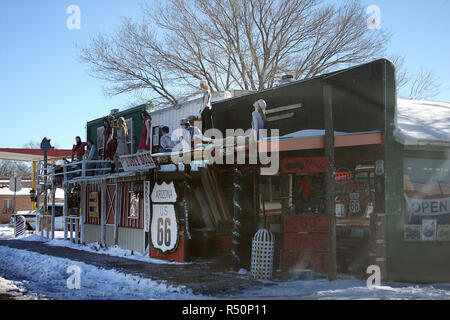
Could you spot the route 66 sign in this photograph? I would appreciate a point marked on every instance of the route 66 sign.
(379, 167)
(164, 228)
(354, 204)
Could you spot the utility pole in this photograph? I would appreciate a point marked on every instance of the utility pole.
(330, 180)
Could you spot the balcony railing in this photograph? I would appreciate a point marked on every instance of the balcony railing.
(60, 174)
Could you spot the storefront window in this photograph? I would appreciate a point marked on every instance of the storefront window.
(426, 185)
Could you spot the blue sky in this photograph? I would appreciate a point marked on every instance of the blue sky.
(46, 91)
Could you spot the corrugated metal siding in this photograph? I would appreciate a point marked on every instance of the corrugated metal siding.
(92, 233)
(125, 221)
(171, 116)
(93, 188)
(109, 236)
(132, 239)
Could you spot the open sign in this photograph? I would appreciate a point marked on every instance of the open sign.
(342, 175)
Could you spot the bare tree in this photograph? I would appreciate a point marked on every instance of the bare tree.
(9, 168)
(31, 145)
(232, 44)
(422, 85)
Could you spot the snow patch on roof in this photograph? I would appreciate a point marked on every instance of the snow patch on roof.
(420, 122)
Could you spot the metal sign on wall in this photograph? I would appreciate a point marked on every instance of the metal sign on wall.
(138, 161)
(164, 192)
(164, 226)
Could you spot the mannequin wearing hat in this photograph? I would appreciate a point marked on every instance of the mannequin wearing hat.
(258, 118)
(205, 113)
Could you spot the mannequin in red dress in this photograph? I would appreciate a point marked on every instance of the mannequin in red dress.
(109, 143)
(145, 143)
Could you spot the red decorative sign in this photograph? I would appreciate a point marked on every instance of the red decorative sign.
(343, 175)
(306, 165)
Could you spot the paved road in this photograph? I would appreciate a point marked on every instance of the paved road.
(202, 278)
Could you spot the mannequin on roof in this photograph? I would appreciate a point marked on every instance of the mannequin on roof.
(258, 118)
(205, 114)
(145, 143)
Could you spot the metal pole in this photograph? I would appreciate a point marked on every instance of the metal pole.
(53, 211)
(15, 188)
(187, 196)
(76, 230)
(45, 189)
(66, 199)
(83, 211)
(33, 203)
(71, 229)
(103, 215)
(47, 218)
(330, 180)
(236, 219)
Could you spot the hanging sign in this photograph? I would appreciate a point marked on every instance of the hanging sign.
(164, 192)
(164, 228)
(137, 161)
(428, 207)
(146, 206)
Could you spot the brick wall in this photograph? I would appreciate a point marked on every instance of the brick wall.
(23, 203)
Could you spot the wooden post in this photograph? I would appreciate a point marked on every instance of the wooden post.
(284, 188)
(330, 181)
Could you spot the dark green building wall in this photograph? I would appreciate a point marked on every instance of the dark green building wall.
(133, 113)
(418, 261)
(407, 261)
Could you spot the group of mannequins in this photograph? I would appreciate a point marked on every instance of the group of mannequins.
(115, 133)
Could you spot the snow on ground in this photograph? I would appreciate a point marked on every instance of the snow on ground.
(6, 232)
(54, 277)
(93, 247)
(34, 272)
(345, 288)
(16, 291)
